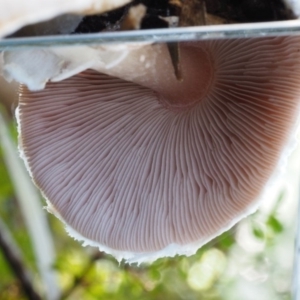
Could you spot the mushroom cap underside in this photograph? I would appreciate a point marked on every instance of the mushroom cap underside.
(134, 177)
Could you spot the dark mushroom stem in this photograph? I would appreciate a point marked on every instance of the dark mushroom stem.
(175, 58)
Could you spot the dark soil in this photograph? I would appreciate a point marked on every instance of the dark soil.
(232, 11)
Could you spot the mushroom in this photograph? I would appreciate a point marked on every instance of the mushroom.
(142, 165)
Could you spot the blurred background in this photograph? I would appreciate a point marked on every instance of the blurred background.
(253, 260)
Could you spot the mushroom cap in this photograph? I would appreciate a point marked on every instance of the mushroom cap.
(17, 13)
(140, 179)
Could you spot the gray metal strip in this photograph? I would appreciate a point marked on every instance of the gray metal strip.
(159, 35)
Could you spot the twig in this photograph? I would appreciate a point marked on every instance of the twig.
(78, 280)
(31, 208)
(13, 258)
(296, 271)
